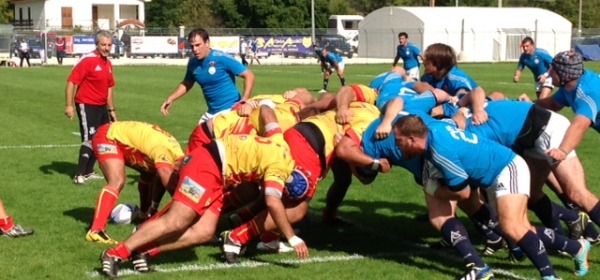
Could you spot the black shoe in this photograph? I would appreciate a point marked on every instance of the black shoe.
(577, 227)
(492, 247)
(231, 249)
(141, 262)
(110, 264)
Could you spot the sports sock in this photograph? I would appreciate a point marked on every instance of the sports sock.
(145, 190)
(120, 251)
(151, 249)
(85, 154)
(487, 222)
(6, 223)
(343, 81)
(325, 83)
(595, 214)
(534, 248)
(104, 204)
(455, 233)
(245, 232)
(557, 242)
(547, 214)
(89, 168)
(566, 214)
(567, 202)
(591, 231)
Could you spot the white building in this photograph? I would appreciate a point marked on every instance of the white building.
(476, 33)
(73, 14)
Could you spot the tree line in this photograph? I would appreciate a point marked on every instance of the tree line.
(297, 13)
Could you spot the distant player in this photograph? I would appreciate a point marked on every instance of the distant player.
(410, 55)
(330, 62)
(538, 61)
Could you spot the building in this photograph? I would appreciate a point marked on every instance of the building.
(476, 33)
(76, 14)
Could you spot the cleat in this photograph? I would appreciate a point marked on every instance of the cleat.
(17, 231)
(492, 247)
(516, 255)
(577, 227)
(322, 91)
(100, 237)
(477, 273)
(231, 249)
(581, 259)
(110, 264)
(141, 262)
(274, 246)
(79, 180)
(93, 176)
(551, 278)
(591, 234)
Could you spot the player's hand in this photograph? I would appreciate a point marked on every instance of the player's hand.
(524, 97)
(245, 110)
(289, 94)
(384, 165)
(542, 78)
(113, 116)
(69, 112)
(479, 117)
(516, 79)
(164, 108)
(383, 131)
(343, 116)
(299, 246)
(337, 138)
(557, 154)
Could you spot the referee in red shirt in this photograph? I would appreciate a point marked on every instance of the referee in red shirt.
(93, 101)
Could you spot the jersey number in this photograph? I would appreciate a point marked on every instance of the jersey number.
(459, 134)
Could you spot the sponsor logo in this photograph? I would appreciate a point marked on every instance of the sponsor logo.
(98, 68)
(191, 189)
(107, 149)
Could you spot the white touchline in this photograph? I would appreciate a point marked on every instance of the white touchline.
(48, 146)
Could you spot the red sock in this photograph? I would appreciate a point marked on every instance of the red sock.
(145, 190)
(245, 232)
(269, 236)
(120, 251)
(104, 204)
(6, 223)
(151, 249)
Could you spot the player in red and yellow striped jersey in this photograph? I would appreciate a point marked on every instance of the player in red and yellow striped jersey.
(192, 215)
(246, 118)
(142, 146)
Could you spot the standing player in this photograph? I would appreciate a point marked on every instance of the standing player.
(330, 61)
(410, 55)
(215, 72)
(538, 61)
(144, 147)
(93, 101)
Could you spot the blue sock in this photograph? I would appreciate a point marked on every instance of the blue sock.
(455, 233)
(534, 248)
(487, 222)
(546, 213)
(557, 242)
(567, 202)
(595, 214)
(565, 214)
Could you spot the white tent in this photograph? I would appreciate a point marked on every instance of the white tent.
(475, 33)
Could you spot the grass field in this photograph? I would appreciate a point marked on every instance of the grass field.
(38, 149)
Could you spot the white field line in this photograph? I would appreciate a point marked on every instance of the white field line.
(47, 146)
(254, 263)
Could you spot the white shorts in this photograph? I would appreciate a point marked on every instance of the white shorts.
(550, 138)
(208, 115)
(547, 83)
(514, 179)
(341, 67)
(414, 73)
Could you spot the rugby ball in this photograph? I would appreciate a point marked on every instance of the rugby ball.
(124, 213)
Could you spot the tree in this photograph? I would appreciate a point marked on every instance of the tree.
(163, 13)
(6, 13)
(199, 13)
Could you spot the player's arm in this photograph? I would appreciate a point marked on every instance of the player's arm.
(180, 91)
(110, 105)
(343, 99)
(248, 77)
(421, 87)
(517, 76)
(349, 151)
(477, 98)
(69, 100)
(392, 108)
(268, 117)
(549, 103)
(396, 58)
(573, 136)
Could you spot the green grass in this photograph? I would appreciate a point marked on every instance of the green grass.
(38, 148)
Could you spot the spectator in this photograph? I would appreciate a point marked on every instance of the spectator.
(253, 51)
(60, 49)
(125, 44)
(243, 51)
(24, 52)
(117, 44)
(93, 99)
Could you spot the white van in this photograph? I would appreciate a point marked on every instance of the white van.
(346, 26)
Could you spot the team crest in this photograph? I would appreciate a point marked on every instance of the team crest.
(536, 61)
(212, 69)
(104, 149)
(191, 189)
(186, 160)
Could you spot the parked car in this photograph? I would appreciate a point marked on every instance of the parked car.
(336, 43)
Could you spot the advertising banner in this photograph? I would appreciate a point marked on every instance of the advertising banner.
(153, 44)
(228, 44)
(83, 44)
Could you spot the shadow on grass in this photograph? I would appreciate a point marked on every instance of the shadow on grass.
(81, 214)
(60, 167)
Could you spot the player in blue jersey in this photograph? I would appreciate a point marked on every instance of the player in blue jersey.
(330, 62)
(410, 55)
(579, 89)
(538, 61)
(441, 72)
(215, 72)
(464, 161)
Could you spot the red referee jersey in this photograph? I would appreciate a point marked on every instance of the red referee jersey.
(93, 76)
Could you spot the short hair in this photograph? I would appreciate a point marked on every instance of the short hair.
(198, 32)
(403, 34)
(102, 34)
(441, 56)
(527, 40)
(411, 125)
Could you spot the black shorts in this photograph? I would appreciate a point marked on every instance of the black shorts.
(535, 123)
(91, 117)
